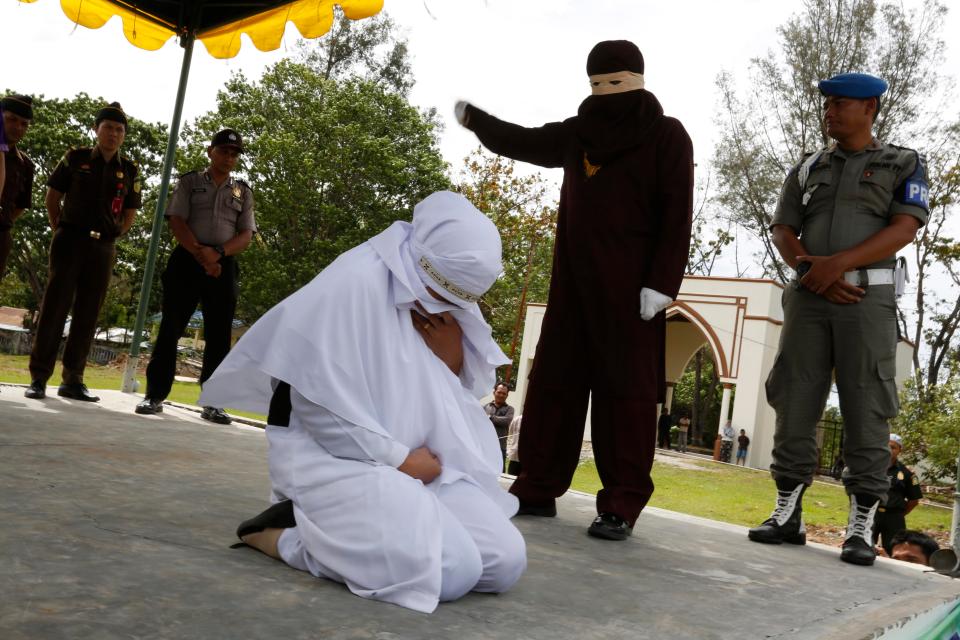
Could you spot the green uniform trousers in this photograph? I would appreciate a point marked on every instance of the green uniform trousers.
(857, 344)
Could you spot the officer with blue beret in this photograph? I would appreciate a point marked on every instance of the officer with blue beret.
(843, 214)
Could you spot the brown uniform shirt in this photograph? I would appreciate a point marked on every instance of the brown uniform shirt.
(90, 185)
(18, 188)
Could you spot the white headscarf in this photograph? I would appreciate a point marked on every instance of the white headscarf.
(347, 343)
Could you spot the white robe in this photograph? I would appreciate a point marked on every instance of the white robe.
(367, 386)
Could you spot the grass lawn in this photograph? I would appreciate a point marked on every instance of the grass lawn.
(699, 487)
(746, 496)
(14, 369)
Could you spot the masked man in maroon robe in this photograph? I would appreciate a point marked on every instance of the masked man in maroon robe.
(623, 237)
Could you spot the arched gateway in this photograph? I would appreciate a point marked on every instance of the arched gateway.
(739, 319)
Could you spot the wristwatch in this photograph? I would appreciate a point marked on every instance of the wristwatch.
(223, 254)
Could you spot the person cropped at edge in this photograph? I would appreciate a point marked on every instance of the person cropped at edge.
(211, 215)
(623, 234)
(16, 169)
(903, 496)
(92, 197)
(843, 214)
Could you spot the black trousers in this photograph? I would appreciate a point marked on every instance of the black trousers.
(185, 285)
(79, 274)
(6, 242)
(886, 525)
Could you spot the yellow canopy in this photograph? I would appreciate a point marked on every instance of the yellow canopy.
(312, 18)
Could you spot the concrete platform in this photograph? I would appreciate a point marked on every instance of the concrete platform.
(119, 526)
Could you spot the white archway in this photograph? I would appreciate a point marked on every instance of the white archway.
(740, 320)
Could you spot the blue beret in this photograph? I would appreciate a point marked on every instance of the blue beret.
(853, 85)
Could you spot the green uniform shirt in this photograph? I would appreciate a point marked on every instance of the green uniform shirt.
(90, 185)
(848, 197)
(904, 487)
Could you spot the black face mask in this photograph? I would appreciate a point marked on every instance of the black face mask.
(612, 124)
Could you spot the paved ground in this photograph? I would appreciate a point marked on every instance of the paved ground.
(119, 526)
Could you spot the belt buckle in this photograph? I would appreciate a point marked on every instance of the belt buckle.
(95, 235)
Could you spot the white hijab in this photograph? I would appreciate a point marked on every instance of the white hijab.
(346, 342)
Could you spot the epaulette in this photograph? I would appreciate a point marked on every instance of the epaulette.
(896, 146)
(184, 175)
(75, 153)
(243, 182)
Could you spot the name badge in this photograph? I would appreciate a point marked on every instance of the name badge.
(199, 190)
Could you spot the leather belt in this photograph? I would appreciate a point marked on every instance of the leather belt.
(863, 277)
(91, 233)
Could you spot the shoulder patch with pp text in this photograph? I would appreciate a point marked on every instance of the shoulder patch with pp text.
(914, 190)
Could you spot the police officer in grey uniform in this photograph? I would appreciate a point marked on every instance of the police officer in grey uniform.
(211, 215)
(844, 212)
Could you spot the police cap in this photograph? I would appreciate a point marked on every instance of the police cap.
(227, 138)
(853, 85)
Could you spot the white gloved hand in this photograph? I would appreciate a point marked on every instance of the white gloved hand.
(460, 110)
(652, 302)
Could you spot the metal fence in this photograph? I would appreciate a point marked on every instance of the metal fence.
(830, 448)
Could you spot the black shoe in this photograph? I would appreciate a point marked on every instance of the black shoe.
(278, 516)
(77, 391)
(149, 406)
(857, 546)
(37, 390)
(610, 526)
(215, 415)
(541, 510)
(785, 524)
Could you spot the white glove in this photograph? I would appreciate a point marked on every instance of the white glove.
(460, 110)
(652, 302)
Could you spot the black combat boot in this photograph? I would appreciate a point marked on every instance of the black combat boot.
(858, 543)
(785, 524)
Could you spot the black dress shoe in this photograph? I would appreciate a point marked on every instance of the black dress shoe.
(149, 406)
(278, 516)
(541, 510)
(77, 392)
(37, 390)
(215, 415)
(610, 526)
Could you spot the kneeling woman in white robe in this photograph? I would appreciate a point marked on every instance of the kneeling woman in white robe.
(383, 464)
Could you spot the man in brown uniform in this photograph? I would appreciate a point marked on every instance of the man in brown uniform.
(211, 215)
(92, 197)
(623, 235)
(17, 190)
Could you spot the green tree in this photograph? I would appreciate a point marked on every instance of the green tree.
(699, 394)
(527, 224)
(58, 125)
(335, 154)
(929, 423)
(766, 131)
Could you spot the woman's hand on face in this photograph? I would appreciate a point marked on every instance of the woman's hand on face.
(442, 334)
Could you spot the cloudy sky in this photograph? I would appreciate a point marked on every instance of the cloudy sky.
(521, 60)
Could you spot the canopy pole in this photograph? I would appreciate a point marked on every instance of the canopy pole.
(130, 373)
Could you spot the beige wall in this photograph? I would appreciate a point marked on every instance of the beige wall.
(740, 319)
